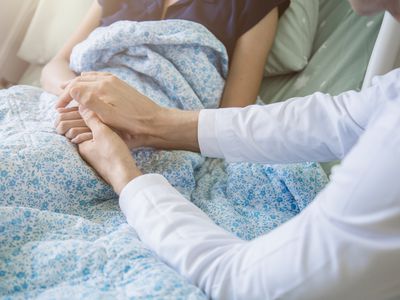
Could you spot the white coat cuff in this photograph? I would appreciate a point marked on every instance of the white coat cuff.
(216, 135)
(208, 140)
(128, 195)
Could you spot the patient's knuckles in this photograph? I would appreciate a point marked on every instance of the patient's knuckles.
(63, 127)
(83, 137)
(62, 117)
(60, 128)
(71, 133)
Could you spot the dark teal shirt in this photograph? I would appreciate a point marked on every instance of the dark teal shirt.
(226, 19)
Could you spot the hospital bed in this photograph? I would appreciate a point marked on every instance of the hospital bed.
(338, 60)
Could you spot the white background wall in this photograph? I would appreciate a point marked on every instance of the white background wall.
(15, 16)
(386, 53)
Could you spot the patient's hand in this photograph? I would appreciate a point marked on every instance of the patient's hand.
(70, 123)
(107, 153)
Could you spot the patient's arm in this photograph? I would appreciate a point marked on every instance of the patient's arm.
(247, 67)
(57, 71)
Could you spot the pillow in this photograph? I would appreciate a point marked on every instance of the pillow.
(51, 25)
(294, 38)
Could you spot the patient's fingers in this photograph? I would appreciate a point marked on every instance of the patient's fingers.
(65, 114)
(64, 126)
(83, 137)
(74, 132)
(67, 109)
(73, 115)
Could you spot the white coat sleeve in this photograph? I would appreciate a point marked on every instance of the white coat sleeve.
(345, 245)
(313, 128)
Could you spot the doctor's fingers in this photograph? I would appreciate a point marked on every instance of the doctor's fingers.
(94, 73)
(89, 95)
(66, 97)
(64, 126)
(86, 76)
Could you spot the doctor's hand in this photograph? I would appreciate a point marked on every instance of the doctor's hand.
(107, 153)
(116, 103)
(132, 114)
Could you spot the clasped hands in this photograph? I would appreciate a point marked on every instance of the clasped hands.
(105, 99)
(113, 117)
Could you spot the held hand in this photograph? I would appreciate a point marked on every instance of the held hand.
(107, 153)
(116, 103)
(70, 123)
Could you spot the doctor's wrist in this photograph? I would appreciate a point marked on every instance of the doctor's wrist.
(175, 129)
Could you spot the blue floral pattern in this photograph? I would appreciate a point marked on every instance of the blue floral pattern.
(62, 234)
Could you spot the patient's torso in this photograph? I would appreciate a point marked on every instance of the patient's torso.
(226, 19)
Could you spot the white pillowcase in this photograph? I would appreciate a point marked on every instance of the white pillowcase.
(294, 38)
(53, 23)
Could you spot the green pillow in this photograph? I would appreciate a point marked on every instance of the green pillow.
(294, 38)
